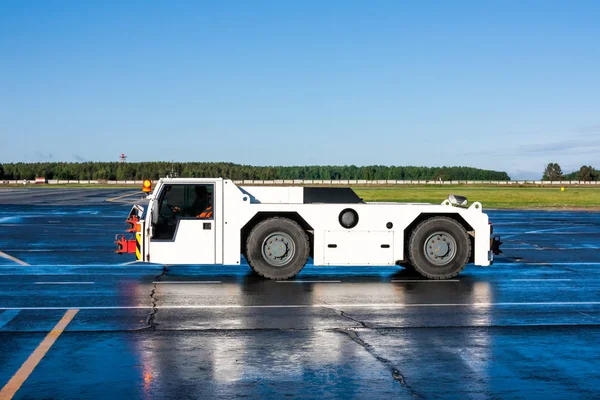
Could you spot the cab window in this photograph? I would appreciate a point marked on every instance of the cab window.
(182, 202)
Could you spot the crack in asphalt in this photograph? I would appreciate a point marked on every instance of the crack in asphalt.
(150, 321)
(569, 269)
(396, 374)
(343, 314)
(353, 335)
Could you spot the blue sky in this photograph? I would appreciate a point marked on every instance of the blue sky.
(505, 85)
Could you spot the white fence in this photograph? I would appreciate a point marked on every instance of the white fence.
(312, 182)
(359, 182)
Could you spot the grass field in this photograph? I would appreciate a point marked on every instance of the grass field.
(491, 197)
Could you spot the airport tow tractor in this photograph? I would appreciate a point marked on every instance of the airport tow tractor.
(214, 221)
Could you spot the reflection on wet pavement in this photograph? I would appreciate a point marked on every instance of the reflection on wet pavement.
(526, 327)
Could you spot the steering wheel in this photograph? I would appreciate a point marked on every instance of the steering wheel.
(174, 209)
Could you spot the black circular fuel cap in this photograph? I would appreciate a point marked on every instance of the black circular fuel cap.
(389, 225)
(348, 218)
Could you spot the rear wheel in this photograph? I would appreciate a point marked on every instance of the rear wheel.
(277, 248)
(439, 248)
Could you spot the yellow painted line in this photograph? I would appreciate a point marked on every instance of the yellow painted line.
(15, 383)
(122, 197)
(9, 257)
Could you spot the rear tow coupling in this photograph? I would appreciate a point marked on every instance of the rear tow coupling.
(125, 245)
(495, 245)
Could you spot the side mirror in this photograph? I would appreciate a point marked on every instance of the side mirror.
(456, 200)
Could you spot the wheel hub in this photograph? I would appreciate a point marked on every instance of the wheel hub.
(440, 248)
(278, 248)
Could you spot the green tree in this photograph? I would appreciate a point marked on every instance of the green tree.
(553, 172)
(1, 171)
(587, 173)
(101, 174)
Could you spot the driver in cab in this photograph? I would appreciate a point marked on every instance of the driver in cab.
(201, 206)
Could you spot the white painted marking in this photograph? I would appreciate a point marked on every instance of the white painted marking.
(551, 248)
(423, 280)
(548, 263)
(350, 305)
(551, 231)
(505, 236)
(50, 250)
(130, 262)
(587, 315)
(185, 282)
(541, 280)
(308, 281)
(562, 228)
(8, 316)
(64, 283)
(9, 219)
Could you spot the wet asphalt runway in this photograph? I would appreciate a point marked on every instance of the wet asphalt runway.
(526, 327)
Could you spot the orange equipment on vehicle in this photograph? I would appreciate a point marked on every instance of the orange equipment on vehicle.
(134, 243)
(125, 245)
(147, 186)
(134, 226)
(206, 213)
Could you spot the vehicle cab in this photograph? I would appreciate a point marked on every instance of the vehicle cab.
(183, 221)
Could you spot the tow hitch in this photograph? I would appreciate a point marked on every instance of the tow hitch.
(124, 245)
(133, 244)
(495, 245)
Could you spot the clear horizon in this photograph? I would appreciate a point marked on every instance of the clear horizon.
(499, 86)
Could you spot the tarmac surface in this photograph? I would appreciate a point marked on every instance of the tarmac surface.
(527, 327)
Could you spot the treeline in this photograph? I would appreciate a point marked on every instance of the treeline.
(553, 172)
(156, 170)
(585, 173)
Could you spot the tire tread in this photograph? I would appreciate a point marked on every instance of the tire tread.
(267, 221)
(411, 250)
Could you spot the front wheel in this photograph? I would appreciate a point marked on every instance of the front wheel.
(277, 248)
(439, 248)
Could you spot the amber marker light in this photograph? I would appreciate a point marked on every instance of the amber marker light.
(147, 186)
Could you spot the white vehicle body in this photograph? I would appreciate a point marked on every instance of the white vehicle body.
(380, 236)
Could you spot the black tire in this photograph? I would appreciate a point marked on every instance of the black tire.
(253, 272)
(256, 249)
(454, 239)
(407, 266)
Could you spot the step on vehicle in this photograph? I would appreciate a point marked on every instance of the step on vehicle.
(277, 229)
